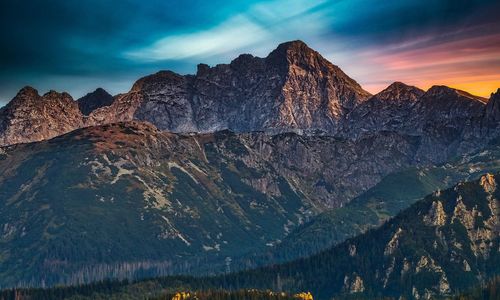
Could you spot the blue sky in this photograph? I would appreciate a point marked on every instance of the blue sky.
(77, 46)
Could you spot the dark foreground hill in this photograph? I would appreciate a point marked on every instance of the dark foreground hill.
(128, 200)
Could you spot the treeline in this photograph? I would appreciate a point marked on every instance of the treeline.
(169, 288)
(107, 287)
(233, 295)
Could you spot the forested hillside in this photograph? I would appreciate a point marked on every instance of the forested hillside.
(441, 245)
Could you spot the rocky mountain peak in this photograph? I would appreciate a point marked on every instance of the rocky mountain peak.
(292, 48)
(94, 100)
(247, 63)
(26, 94)
(293, 89)
(399, 91)
(442, 91)
(54, 95)
(439, 90)
(157, 80)
(29, 99)
(30, 117)
(296, 53)
(28, 91)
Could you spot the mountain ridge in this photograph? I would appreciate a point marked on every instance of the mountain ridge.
(294, 89)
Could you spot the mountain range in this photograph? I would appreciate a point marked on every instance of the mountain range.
(293, 89)
(259, 161)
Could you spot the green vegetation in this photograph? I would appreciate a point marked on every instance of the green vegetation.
(427, 249)
(118, 201)
(372, 208)
(127, 202)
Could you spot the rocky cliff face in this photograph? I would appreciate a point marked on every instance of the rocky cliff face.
(447, 121)
(30, 117)
(293, 88)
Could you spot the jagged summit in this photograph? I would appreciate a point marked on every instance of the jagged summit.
(28, 90)
(29, 96)
(92, 101)
(247, 63)
(296, 44)
(52, 94)
(399, 91)
(298, 53)
(443, 90)
(294, 89)
(291, 50)
(30, 117)
(163, 77)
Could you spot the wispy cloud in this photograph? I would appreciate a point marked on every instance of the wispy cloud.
(236, 32)
(262, 25)
(419, 42)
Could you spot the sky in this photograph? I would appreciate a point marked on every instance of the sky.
(77, 46)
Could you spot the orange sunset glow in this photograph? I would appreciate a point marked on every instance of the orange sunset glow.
(471, 64)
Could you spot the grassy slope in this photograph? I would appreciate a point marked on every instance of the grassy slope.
(423, 255)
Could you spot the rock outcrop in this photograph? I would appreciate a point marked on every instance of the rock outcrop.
(92, 101)
(30, 117)
(491, 120)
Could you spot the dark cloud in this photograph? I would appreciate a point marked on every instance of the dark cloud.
(79, 45)
(393, 20)
(72, 40)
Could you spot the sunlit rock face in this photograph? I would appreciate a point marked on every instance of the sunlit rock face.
(293, 88)
(30, 117)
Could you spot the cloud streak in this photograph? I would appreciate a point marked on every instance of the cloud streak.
(237, 32)
(262, 25)
(78, 46)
